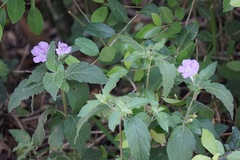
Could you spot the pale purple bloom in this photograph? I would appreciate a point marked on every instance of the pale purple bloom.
(40, 52)
(63, 48)
(189, 68)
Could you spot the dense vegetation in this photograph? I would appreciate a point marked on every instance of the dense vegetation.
(117, 79)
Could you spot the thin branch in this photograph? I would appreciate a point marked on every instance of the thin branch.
(190, 12)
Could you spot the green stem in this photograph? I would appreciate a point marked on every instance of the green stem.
(190, 105)
(120, 132)
(214, 34)
(79, 8)
(190, 12)
(148, 73)
(105, 131)
(76, 18)
(114, 40)
(64, 102)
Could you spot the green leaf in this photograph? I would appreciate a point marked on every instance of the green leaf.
(234, 139)
(99, 15)
(222, 94)
(187, 34)
(205, 36)
(71, 59)
(169, 73)
(179, 13)
(85, 72)
(210, 143)
(174, 28)
(162, 119)
(52, 58)
(201, 157)
(3, 67)
(181, 144)
(234, 65)
(77, 95)
(99, 1)
(234, 155)
(22, 92)
(149, 9)
(155, 79)
(70, 130)
(227, 6)
(107, 54)
(24, 144)
(159, 45)
(172, 3)
(89, 108)
(138, 75)
(208, 72)
(166, 14)
(15, 9)
(235, 3)
(112, 82)
(137, 102)
(112, 21)
(20, 136)
(156, 19)
(137, 2)
(202, 110)
(118, 10)
(148, 31)
(37, 74)
(228, 73)
(3, 17)
(138, 138)
(53, 81)
(186, 52)
(35, 20)
(117, 71)
(56, 131)
(99, 30)
(87, 46)
(114, 119)
(204, 12)
(171, 101)
(158, 137)
(39, 134)
(129, 41)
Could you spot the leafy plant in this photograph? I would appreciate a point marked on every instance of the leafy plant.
(152, 121)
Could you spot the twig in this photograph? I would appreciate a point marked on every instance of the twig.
(190, 12)
(79, 8)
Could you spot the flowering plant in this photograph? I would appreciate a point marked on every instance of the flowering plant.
(140, 104)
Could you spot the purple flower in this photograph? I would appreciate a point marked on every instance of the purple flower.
(63, 48)
(189, 68)
(40, 52)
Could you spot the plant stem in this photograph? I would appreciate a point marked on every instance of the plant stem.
(190, 105)
(120, 132)
(3, 4)
(105, 131)
(79, 8)
(76, 18)
(190, 12)
(64, 102)
(114, 40)
(148, 73)
(214, 34)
